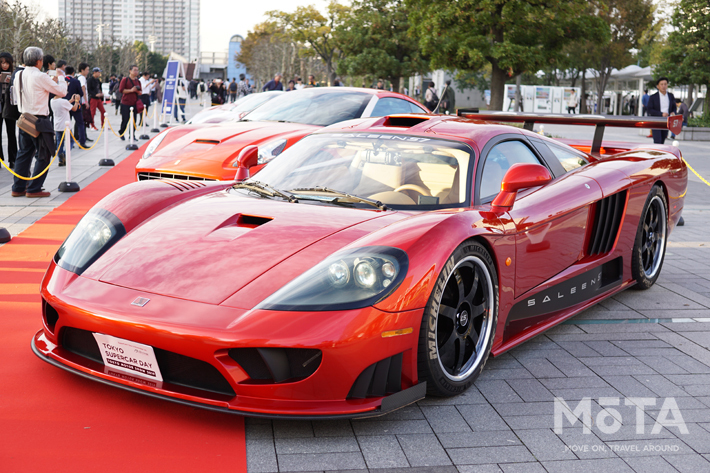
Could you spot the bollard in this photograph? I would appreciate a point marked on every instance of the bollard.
(144, 136)
(172, 113)
(106, 161)
(4, 235)
(155, 128)
(131, 130)
(68, 185)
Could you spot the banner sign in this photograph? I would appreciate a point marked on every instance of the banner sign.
(171, 78)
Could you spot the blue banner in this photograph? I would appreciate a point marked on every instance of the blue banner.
(173, 70)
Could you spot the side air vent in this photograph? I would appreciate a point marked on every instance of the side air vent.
(146, 176)
(607, 218)
(379, 379)
(209, 142)
(50, 315)
(277, 365)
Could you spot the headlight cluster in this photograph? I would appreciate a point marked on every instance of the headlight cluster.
(97, 231)
(270, 150)
(347, 280)
(154, 145)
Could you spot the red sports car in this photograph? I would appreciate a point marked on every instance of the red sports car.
(371, 263)
(209, 151)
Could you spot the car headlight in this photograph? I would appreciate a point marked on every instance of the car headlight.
(350, 279)
(270, 150)
(153, 145)
(95, 233)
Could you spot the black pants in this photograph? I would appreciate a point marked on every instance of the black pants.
(28, 146)
(79, 127)
(11, 127)
(659, 136)
(125, 116)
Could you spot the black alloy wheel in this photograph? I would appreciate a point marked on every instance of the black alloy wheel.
(651, 237)
(459, 322)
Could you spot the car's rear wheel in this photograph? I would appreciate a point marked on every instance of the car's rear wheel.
(650, 244)
(459, 321)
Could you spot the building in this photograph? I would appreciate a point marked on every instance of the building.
(165, 25)
(234, 68)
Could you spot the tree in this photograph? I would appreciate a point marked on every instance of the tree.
(513, 36)
(686, 60)
(374, 40)
(627, 20)
(310, 27)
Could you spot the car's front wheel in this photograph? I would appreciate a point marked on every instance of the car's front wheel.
(459, 321)
(650, 244)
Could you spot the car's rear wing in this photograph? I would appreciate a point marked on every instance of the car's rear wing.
(674, 123)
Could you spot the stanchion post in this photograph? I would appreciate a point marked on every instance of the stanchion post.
(155, 128)
(106, 161)
(144, 135)
(68, 185)
(131, 129)
(162, 114)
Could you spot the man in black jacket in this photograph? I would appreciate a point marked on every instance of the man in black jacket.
(74, 87)
(661, 104)
(96, 95)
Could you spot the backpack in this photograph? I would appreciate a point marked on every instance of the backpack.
(202, 87)
(233, 87)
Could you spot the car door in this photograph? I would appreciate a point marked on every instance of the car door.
(550, 222)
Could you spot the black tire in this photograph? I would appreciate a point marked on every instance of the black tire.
(651, 238)
(469, 282)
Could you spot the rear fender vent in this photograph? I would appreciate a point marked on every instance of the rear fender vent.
(277, 365)
(607, 219)
(403, 121)
(379, 379)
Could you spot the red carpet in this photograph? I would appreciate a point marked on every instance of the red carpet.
(54, 421)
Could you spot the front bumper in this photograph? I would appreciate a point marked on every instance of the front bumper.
(351, 343)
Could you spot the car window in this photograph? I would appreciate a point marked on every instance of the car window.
(500, 158)
(567, 158)
(391, 105)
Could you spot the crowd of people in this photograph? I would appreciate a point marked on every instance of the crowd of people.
(39, 96)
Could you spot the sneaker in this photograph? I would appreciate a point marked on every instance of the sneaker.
(62, 163)
(17, 194)
(38, 194)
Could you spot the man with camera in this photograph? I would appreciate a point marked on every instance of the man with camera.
(32, 88)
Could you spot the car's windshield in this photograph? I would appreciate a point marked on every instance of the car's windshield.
(234, 111)
(316, 106)
(407, 172)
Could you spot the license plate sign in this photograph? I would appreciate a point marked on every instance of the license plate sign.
(128, 356)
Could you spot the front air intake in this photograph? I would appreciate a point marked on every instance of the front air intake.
(379, 379)
(607, 220)
(277, 365)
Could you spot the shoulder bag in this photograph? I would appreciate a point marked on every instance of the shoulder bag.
(27, 122)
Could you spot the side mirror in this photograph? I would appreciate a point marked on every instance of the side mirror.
(248, 157)
(519, 176)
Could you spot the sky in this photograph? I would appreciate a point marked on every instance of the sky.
(219, 20)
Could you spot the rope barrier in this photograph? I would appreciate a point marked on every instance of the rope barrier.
(694, 172)
(56, 153)
(95, 142)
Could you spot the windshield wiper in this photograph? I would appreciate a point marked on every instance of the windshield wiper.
(356, 198)
(265, 190)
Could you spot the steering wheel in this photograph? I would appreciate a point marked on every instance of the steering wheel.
(413, 187)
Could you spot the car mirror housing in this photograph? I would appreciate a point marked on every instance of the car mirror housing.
(519, 176)
(248, 157)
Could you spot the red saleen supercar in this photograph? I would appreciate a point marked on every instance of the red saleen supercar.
(373, 262)
(209, 151)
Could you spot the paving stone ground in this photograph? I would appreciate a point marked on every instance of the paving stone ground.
(653, 345)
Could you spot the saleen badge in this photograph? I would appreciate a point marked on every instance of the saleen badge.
(141, 301)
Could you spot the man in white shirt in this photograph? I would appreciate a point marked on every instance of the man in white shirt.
(32, 88)
(83, 74)
(147, 85)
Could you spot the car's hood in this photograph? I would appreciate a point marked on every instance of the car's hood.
(208, 248)
(222, 143)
